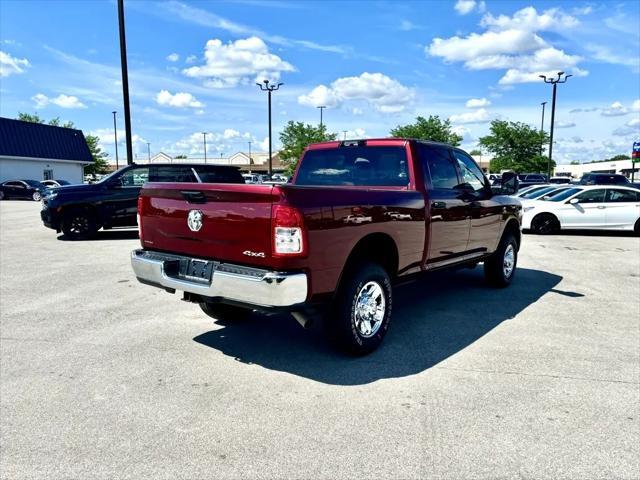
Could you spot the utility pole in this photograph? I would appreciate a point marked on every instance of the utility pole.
(149, 151)
(269, 88)
(344, 134)
(115, 138)
(321, 107)
(542, 127)
(204, 136)
(249, 157)
(125, 82)
(554, 82)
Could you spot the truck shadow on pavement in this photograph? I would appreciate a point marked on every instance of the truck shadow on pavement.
(115, 234)
(434, 318)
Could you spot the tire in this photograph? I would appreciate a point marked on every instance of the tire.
(545, 224)
(222, 311)
(1, 195)
(36, 197)
(365, 294)
(79, 224)
(636, 227)
(500, 267)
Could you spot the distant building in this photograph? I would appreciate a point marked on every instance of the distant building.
(35, 151)
(625, 167)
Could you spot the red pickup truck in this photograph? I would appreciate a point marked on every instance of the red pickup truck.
(357, 216)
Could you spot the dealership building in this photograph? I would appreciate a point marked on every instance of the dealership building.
(34, 151)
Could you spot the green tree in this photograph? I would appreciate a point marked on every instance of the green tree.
(99, 164)
(433, 129)
(475, 152)
(295, 137)
(619, 157)
(180, 157)
(574, 162)
(516, 146)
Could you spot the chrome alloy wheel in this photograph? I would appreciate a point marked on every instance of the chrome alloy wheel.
(509, 261)
(369, 309)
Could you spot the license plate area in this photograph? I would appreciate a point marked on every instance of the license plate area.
(191, 269)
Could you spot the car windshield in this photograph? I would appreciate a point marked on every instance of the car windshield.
(562, 195)
(538, 193)
(528, 190)
(33, 183)
(62, 182)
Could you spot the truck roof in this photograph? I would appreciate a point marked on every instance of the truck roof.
(372, 142)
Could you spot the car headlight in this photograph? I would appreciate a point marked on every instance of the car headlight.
(49, 196)
(528, 209)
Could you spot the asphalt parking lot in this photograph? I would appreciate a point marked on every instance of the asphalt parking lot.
(102, 377)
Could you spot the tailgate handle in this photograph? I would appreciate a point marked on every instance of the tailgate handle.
(192, 196)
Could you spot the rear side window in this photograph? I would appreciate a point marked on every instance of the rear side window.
(360, 165)
(213, 174)
(437, 163)
(591, 196)
(616, 196)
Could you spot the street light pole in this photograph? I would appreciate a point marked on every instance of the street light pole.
(554, 82)
(149, 151)
(249, 157)
(321, 107)
(125, 82)
(204, 136)
(344, 134)
(542, 127)
(269, 88)
(115, 137)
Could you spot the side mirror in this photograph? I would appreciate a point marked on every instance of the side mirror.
(509, 183)
(574, 201)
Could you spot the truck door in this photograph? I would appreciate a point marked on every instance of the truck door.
(485, 213)
(447, 214)
(121, 203)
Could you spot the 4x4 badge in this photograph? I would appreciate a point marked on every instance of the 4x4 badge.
(194, 220)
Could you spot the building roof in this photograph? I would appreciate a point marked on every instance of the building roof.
(35, 140)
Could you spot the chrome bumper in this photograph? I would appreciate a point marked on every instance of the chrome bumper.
(231, 282)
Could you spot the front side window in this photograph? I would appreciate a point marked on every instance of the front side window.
(136, 177)
(615, 196)
(471, 173)
(354, 165)
(591, 196)
(437, 163)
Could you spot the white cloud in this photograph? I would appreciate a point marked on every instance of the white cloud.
(616, 109)
(106, 140)
(356, 133)
(12, 65)
(616, 57)
(173, 57)
(478, 116)
(178, 100)
(632, 127)
(512, 44)
(240, 62)
(191, 59)
(564, 124)
(635, 106)
(382, 92)
(463, 7)
(477, 103)
(226, 142)
(62, 101)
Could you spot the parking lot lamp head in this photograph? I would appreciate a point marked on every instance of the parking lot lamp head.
(269, 88)
(554, 82)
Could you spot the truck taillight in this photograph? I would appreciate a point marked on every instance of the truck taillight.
(139, 218)
(288, 231)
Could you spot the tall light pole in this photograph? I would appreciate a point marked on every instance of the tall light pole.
(554, 82)
(321, 107)
(542, 127)
(115, 137)
(344, 134)
(149, 151)
(249, 157)
(204, 139)
(125, 82)
(269, 88)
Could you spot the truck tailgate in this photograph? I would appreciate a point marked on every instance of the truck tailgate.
(235, 220)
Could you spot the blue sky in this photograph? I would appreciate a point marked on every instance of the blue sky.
(193, 67)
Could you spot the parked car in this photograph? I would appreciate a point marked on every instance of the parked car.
(250, 178)
(81, 210)
(603, 179)
(296, 246)
(55, 183)
(25, 189)
(530, 189)
(557, 180)
(528, 179)
(585, 207)
(541, 193)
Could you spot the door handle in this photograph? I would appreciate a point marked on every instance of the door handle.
(439, 205)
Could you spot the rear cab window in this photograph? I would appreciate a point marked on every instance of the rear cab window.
(376, 166)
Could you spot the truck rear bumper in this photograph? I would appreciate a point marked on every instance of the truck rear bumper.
(236, 283)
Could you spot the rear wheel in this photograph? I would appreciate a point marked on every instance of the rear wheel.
(545, 223)
(222, 311)
(360, 315)
(636, 227)
(36, 196)
(79, 224)
(500, 267)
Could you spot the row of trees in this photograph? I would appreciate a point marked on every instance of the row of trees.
(513, 145)
(99, 164)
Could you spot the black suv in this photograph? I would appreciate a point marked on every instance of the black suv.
(81, 210)
(603, 179)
